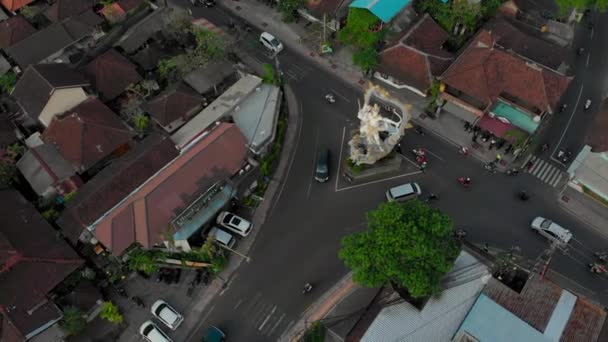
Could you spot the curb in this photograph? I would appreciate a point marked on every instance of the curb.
(262, 211)
(320, 307)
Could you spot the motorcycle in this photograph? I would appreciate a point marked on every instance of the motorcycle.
(330, 98)
(597, 268)
(307, 288)
(460, 233)
(564, 155)
(580, 51)
(513, 172)
(563, 108)
(138, 301)
(602, 256)
(465, 181)
(523, 195)
(587, 104)
(420, 157)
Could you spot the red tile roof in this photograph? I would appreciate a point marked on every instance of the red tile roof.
(116, 182)
(145, 215)
(596, 135)
(111, 73)
(33, 261)
(14, 30)
(87, 133)
(180, 102)
(418, 56)
(13, 5)
(485, 72)
(63, 9)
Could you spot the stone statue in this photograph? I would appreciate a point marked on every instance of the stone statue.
(377, 135)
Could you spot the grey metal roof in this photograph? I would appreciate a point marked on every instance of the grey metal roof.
(222, 106)
(137, 35)
(440, 317)
(38, 163)
(4, 65)
(212, 74)
(257, 116)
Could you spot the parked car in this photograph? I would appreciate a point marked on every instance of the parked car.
(213, 334)
(551, 230)
(270, 42)
(403, 192)
(152, 333)
(322, 169)
(234, 223)
(222, 237)
(166, 314)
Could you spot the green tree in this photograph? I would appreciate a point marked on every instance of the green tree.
(269, 76)
(366, 59)
(567, 5)
(73, 321)
(143, 261)
(208, 44)
(141, 123)
(28, 12)
(110, 312)
(289, 9)
(7, 81)
(359, 30)
(407, 244)
(7, 173)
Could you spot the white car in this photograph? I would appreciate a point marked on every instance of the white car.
(551, 230)
(166, 314)
(234, 223)
(270, 42)
(222, 237)
(152, 333)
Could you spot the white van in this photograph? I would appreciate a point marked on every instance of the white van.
(403, 192)
(270, 42)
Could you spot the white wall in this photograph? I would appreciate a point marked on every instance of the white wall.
(61, 100)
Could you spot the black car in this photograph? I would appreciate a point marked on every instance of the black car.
(322, 169)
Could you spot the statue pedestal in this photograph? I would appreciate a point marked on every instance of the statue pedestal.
(388, 164)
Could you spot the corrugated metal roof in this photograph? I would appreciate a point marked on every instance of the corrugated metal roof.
(385, 10)
(488, 321)
(440, 317)
(256, 116)
(560, 315)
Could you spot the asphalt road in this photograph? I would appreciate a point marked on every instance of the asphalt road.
(300, 240)
(569, 128)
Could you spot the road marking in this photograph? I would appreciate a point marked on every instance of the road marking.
(340, 160)
(433, 154)
(567, 125)
(238, 304)
(290, 163)
(588, 56)
(276, 324)
(292, 75)
(267, 318)
(228, 285)
(204, 318)
(559, 177)
(592, 31)
(337, 93)
(379, 180)
(314, 159)
(550, 175)
(543, 170)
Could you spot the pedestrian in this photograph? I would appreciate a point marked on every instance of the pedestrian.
(474, 137)
(529, 165)
(498, 158)
(486, 248)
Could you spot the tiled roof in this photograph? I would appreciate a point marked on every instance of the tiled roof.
(179, 102)
(14, 30)
(418, 56)
(596, 136)
(13, 5)
(146, 214)
(33, 261)
(42, 166)
(38, 82)
(485, 72)
(63, 9)
(116, 182)
(111, 73)
(320, 7)
(512, 35)
(52, 39)
(87, 133)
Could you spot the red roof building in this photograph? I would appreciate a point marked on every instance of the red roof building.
(111, 73)
(417, 58)
(14, 30)
(485, 72)
(174, 107)
(33, 261)
(87, 134)
(13, 5)
(146, 214)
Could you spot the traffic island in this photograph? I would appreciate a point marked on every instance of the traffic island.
(387, 165)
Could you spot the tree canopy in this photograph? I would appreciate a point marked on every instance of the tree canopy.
(409, 244)
(358, 30)
(566, 5)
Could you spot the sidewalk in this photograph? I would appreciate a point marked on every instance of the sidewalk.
(340, 64)
(585, 209)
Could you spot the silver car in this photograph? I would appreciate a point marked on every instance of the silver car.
(166, 314)
(551, 230)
